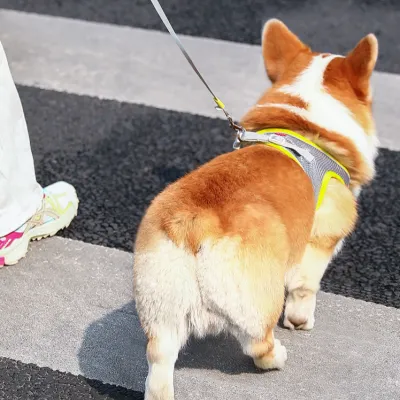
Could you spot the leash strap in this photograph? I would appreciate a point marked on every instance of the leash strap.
(218, 102)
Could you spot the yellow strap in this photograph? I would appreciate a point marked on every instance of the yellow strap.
(324, 185)
(219, 103)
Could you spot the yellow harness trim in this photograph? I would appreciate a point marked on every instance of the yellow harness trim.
(327, 176)
(324, 185)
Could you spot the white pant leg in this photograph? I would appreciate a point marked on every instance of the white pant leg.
(20, 194)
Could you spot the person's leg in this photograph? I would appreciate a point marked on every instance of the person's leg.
(20, 194)
(24, 208)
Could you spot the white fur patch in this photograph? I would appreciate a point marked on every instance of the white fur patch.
(278, 362)
(338, 248)
(324, 110)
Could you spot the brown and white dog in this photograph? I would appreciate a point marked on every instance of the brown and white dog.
(216, 249)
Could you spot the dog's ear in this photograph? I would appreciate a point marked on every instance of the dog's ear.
(360, 63)
(279, 48)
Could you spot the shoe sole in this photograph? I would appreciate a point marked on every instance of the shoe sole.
(18, 252)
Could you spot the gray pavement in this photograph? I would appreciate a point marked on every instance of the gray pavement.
(93, 330)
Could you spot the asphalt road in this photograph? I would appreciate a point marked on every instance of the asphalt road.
(19, 381)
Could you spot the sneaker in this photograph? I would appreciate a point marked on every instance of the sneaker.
(59, 208)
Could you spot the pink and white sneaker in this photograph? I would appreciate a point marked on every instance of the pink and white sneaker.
(59, 208)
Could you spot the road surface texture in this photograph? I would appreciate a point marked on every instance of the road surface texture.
(113, 108)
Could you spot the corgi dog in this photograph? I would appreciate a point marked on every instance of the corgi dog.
(216, 249)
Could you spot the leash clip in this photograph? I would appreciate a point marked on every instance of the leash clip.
(238, 139)
(236, 127)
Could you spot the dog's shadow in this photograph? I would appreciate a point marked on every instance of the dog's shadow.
(113, 351)
(222, 353)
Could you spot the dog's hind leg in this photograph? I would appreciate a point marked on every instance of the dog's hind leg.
(267, 353)
(164, 290)
(162, 353)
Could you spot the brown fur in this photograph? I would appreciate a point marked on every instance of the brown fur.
(239, 193)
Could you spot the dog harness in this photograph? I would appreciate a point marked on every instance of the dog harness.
(316, 163)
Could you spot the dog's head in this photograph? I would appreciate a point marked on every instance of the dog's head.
(323, 94)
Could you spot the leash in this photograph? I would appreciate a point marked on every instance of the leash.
(220, 106)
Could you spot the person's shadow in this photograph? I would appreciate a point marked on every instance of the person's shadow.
(113, 351)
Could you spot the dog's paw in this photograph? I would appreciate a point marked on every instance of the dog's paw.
(300, 309)
(274, 360)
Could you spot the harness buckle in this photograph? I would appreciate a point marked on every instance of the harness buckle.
(282, 141)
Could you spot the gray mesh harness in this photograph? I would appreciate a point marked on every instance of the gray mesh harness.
(315, 163)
